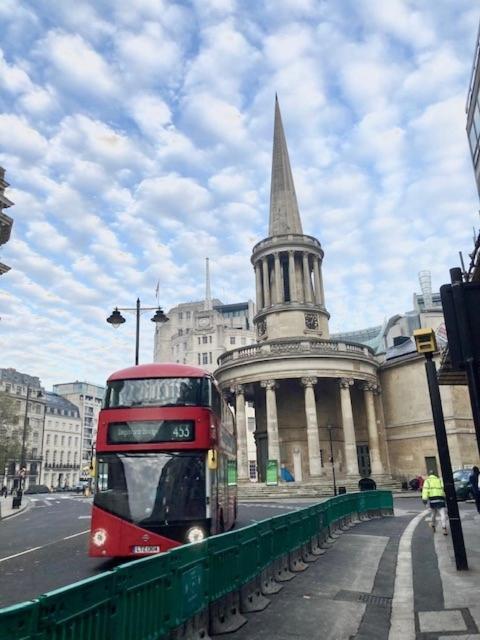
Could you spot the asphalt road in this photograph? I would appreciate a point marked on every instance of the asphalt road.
(45, 547)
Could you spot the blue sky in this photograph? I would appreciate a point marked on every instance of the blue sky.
(137, 140)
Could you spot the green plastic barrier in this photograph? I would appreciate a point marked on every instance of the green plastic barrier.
(19, 622)
(68, 613)
(249, 547)
(144, 598)
(189, 576)
(265, 544)
(224, 567)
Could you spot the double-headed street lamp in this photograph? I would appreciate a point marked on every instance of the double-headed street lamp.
(116, 319)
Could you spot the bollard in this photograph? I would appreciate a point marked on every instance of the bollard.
(225, 616)
(252, 598)
(308, 554)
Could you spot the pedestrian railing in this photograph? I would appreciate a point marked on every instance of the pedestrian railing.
(195, 590)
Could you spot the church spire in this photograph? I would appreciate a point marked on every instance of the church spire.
(284, 215)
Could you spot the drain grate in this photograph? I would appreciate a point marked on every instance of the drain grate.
(367, 598)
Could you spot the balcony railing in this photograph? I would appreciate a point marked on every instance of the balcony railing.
(61, 465)
(295, 347)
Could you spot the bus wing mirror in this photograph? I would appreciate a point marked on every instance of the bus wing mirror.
(212, 459)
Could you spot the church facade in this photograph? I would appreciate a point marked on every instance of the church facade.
(324, 404)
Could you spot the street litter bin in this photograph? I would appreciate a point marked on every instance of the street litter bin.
(367, 484)
(342, 490)
(16, 502)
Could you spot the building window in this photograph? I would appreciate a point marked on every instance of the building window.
(48, 439)
(7, 388)
(199, 358)
(232, 340)
(55, 440)
(180, 316)
(210, 357)
(189, 315)
(180, 332)
(321, 457)
(210, 339)
(199, 341)
(252, 469)
(205, 339)
(204, 358)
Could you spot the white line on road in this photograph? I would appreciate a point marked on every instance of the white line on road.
(76, 534)
(15, 555)
(84, 517)
(402, 621)
(22, 553)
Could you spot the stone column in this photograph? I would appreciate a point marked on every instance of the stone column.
(241, 420)
(348, 427)
(307, 283)
(266, 283)
(373, 442)
(291, 276)
(278, 279)
(272, 421)
(318, 281)
(313, 440)
(258, 286)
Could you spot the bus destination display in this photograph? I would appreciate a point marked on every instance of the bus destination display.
(151, 431)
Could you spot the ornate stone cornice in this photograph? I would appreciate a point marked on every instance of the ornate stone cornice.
(309, 381)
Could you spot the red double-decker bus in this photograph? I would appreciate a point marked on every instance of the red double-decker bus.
(165, 461)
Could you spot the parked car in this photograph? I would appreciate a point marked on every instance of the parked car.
(463, 489)
(38, 488)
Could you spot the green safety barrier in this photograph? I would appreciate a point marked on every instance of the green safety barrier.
(147, 599)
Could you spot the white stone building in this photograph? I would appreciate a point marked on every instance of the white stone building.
(62, 443)
(88, 398)
(26, 428)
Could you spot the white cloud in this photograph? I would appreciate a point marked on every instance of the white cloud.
(22, 139)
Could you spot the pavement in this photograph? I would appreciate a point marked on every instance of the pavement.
(384, 579)
(6, 510)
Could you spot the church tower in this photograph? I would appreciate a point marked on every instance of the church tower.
(288, 264)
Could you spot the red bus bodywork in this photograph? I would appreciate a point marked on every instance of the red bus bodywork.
(122, 537)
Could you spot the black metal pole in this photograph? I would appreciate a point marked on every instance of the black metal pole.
(471, 367)
(445, 464)
(333, 463)
(24, 437)
(137, 335)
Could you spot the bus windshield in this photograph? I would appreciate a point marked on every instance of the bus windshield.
(157, 392)
(152, 488)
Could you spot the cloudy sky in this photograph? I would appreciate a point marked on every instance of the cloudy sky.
(137, 140)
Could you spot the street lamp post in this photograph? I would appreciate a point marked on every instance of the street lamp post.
(116, 319)
(330, 427)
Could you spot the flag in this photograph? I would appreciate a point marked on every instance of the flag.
(157, 289)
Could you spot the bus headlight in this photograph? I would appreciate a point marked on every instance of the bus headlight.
(195, 534)
(99, 537)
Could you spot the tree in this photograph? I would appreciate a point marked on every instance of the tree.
(10, 433)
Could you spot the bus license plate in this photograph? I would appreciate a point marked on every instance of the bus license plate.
(151, 549)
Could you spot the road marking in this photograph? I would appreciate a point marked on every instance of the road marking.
(77, 534)
(15, 555)
(22, 553)
(402, 621)
(84, 517)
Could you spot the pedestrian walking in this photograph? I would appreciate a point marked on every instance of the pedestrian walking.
(433, 493)
(4, 492)
(474, 483)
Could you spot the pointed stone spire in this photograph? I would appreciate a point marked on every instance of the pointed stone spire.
(284, 215)
(208, 295)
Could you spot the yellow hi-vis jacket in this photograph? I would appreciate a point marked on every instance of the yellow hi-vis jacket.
(432, 488)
